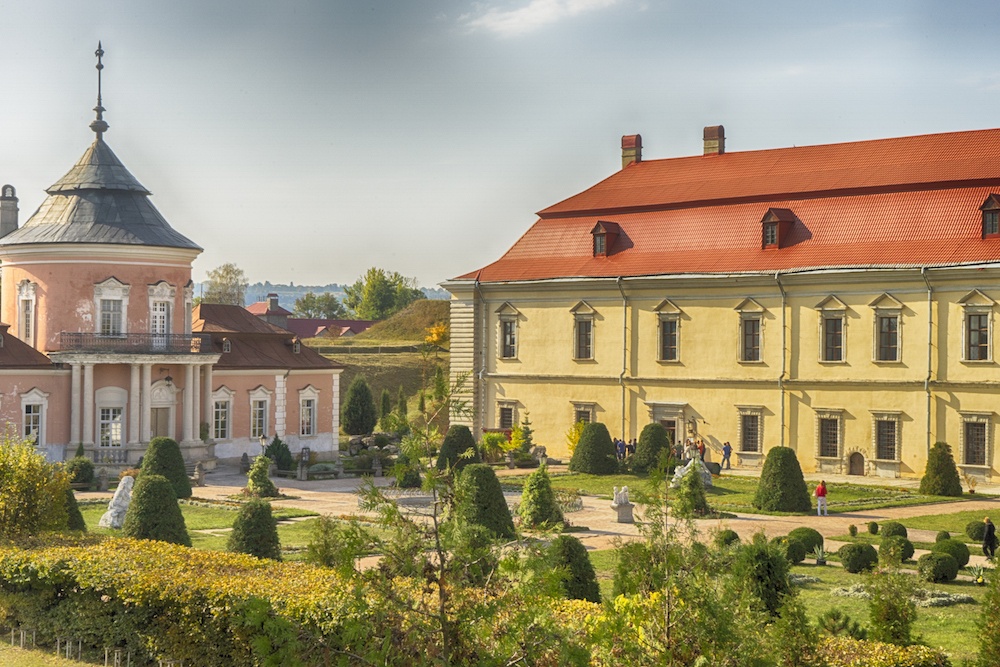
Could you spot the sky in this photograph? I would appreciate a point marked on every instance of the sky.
(308, 140)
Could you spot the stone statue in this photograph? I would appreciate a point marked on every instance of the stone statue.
(115, 516)
(680, 471)
(622, 505)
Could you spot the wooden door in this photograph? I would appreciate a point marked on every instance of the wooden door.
(160, 419)
(856, 464)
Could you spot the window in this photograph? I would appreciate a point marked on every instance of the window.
(829, 437)
(508, 338)
(977, 337)
(110, 427)
(227, 346)
(258, 418)
(886, 439)
(833, 339)
(888, 338)
(307, 416)
(220, 419)
(770, 234)
(26, 312)
(111, 317)
(32, 422)
(991, 222)
(600, 244)
(750, 338)
(111, 306)
(974, 445)
(506, 415)
(668, 339)
(584, 338)
(749, 431)
(583, 412)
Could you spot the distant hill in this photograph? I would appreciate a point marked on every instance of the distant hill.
(290, 293)
(410, 324)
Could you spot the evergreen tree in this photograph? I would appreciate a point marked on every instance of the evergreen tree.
(652, 440)
(401, 406)
(479, 501)
(163, 457)
(386, 404)
(782, 488)
(456, 443)
(538, 502)
(76, 521)
(521, 436)
(255, 531)
(595, 453)
(259, 485)
(580, 582)
(278, 452)
(358, 416)
(941, 476)
(154, 513)
(761, 568)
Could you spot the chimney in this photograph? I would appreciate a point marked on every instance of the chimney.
(631, 149)
(715, 140)
(272, 301)
(8, 210)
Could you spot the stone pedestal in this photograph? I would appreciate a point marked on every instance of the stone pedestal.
(623, 506)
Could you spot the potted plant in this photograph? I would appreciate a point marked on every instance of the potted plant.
(820, 555)
(978, 573)
(971, 482)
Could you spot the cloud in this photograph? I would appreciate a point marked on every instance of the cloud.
(533, 16)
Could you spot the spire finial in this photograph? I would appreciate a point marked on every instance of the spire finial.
(99, 126)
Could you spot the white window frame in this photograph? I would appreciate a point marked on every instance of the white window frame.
(583, 313)
(750, 411)
(26, 301)
(223, 396)
(986, 419)
(36, 398)
(887, 416)
(111, 399)
(111, 289)
(507, 314)
(749, 309)
(977, 303)
(162, 292)
(308, 400)
(838, 416)
(257, 396)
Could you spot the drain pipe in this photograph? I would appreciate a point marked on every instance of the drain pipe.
(621, 378)
(781, 378)
(930, 331)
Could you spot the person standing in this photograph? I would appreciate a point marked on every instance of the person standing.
(701, 450)
(821, 499)
(727, 451)
(989, 539)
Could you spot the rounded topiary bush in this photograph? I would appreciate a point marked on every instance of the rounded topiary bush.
(163, 457)
(580, 580)
(793, 550)
(937, 567)
(942, 535)
(538, 502)
(479, 500)
(857, 557)
(652, 441)
(898, 545)
(76, 521)
(975, 530)
(80, 470)
(782, 488)
(940, 476)
(809, 537)
(255, 531)
(852, 530)
(594, 453)
(725, 537)
(958, 550)
(892, 529)
(457, 442)
(873, 527)
(259, 485)
(154, 513)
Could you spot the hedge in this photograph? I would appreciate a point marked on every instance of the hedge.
(893, 528)
(809, 537)
(958, 550)
(594, 453)
(899, 544)
(975, 530)
(857, 557)
(937, 567)
(847, 652)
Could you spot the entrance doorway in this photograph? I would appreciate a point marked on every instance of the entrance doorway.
(160, 422)
(671, 426)
(856, 464)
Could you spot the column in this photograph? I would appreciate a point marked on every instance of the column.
(133, 405)
(206, 396)
(88, 405)
(74, 405)
(144, 409)
(196, 401)
(188, 416)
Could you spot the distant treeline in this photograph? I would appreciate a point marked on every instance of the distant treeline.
(288, 294)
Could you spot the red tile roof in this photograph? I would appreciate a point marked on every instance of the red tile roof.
(909, 201)
(15, 353)
(262, 308)
(312, 327)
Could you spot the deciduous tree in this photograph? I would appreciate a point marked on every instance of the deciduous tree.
(226, 284)
(379, 294)
(320, 306)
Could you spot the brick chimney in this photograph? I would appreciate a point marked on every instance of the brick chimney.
(272, 301)
(631, 149)
(8, 210)
(715, 140)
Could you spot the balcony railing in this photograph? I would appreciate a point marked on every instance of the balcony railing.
(144, 343)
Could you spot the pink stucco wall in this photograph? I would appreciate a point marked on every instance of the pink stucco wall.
(56, 383)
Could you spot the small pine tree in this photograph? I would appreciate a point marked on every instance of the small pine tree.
(761, 567)
(278, 452)
(595, 453)
(76, 521)
(521, 437)
(401, 406)
(422, 402)
(652, 440)
(782, 488)
(154, 513)
(358, 416)
(259, 485)
(163, 457)
(941, 476)
(80, 451)
(793, 638)
(538, 503)
(386, 406)
(580, 582)
(255, 531)
(891, 610)
(690, 500)
(456, 443)
(479, 501)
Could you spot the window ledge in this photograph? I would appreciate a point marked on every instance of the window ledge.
(830, 458)
(896, 461)
(838, 362)
(887, 362)
(589, 360)
(750, 453)
(977, 362)
(507, 359)
(759, 362)
(669, 362)
(977, 466)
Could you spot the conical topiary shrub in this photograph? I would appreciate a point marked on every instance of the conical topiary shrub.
(941, 476)
(538, 502)
(154, 513)
(652, 441)
(359, 415)
(259, 485)
(479, 500)
(76, 521)
(782, 488)
(255, 532)
(580, 582)
(163, 457)
(456, 443)
(595, 453)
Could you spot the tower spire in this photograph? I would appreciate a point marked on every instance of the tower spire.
(99, 126)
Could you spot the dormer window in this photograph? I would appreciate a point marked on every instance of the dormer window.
(227, 346)
(771, 234)
(776, 225)
(605, 234)
(296, 346)
(600, 244)
(991, 216)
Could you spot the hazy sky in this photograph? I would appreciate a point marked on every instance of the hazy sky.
(308, 140)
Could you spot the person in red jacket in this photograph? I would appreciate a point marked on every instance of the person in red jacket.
(821, 499)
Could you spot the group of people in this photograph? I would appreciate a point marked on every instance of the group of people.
(623, 449)
(696, 448)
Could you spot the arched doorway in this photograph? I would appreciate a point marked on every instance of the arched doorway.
(856, 464)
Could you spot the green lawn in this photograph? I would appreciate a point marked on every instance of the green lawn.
(15, 657)
(953, 523)
(196, 517)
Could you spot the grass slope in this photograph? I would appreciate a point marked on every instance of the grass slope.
(408, 325)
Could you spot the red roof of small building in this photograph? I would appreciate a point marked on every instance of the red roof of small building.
(910, 201)
(311, 327)
(262, 308)
(14, 353)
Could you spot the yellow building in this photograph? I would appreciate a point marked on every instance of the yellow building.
(836, 299)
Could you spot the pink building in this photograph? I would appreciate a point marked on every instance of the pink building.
(98, 345)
